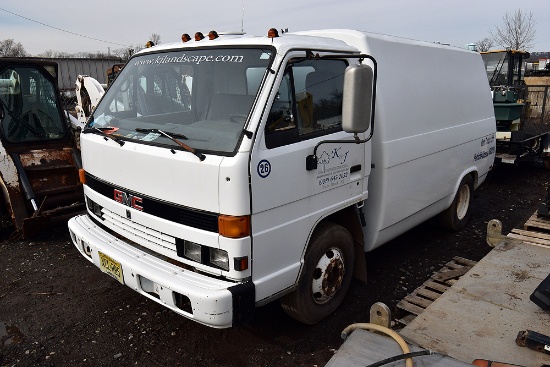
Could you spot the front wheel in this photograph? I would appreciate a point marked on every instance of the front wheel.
(326, 276)
(456, 216)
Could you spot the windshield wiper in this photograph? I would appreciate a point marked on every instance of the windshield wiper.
(101, 131)
(173, 137)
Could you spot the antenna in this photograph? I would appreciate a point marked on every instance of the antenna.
(242, 19)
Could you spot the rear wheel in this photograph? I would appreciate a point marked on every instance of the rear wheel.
(325, 278)
(456, 216)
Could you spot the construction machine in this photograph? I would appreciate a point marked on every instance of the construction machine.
(89, 91)
(521, 127)
(39, 161)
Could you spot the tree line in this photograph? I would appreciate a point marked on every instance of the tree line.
(10, 48)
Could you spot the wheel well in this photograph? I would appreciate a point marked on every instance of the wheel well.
(349, 219)
(475, 177)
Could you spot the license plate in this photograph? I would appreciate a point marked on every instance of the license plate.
(111, 267)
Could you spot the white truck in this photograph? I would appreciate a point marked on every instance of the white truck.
(228, 171)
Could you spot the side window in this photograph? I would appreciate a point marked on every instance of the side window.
(280, 117)
(308, 102)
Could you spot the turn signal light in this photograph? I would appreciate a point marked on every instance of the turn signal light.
(240, 263)
(234, 227)
(82, 176)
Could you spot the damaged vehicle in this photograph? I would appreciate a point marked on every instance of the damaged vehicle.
(39, 161)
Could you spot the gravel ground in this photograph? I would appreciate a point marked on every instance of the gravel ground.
(58, 310)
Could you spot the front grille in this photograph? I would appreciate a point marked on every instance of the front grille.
(176, 213)
(154, 240)
(156, 244)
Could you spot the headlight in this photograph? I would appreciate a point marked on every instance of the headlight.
(219, 259)
(192, 251)
(203, 254)
(94, 207)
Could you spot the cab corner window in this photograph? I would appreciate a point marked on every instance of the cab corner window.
(308, 102)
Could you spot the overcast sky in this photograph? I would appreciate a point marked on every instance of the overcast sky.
(119, 24)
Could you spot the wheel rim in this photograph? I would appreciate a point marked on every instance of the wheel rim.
(463, 202)
(328, 275)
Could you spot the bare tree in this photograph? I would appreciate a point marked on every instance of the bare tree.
(126, 53)
(155, 38)
(47, 54)
(517, 31)
(484, 45)
(9, 48)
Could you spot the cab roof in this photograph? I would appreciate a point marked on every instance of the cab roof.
(282, 43)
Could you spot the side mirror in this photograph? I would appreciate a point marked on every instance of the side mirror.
(357, 100)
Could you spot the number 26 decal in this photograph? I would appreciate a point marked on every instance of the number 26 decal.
(264, 168)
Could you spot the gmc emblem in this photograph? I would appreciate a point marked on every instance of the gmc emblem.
(128, 200)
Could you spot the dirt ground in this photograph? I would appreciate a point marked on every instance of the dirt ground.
(56, 309)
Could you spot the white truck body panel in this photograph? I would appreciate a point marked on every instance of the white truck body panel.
(434, 124)
(432, 118)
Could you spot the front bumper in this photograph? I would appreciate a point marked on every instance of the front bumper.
(212, 302)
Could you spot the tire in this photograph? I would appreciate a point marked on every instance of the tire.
(325, 277)
(455, 217)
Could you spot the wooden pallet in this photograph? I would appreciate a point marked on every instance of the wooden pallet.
(537, 224)
(416, 302)
(531, 237)
(535, 231)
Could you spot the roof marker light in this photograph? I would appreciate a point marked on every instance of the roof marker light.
(199, 36)
(185, 38)
(272, 33)
(212, 35)
(149, 44)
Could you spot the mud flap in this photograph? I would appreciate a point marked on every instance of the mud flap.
(244, 295)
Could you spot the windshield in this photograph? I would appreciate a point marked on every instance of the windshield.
(496, 66)
(503, 68)
(199, 97)
(28, 106)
